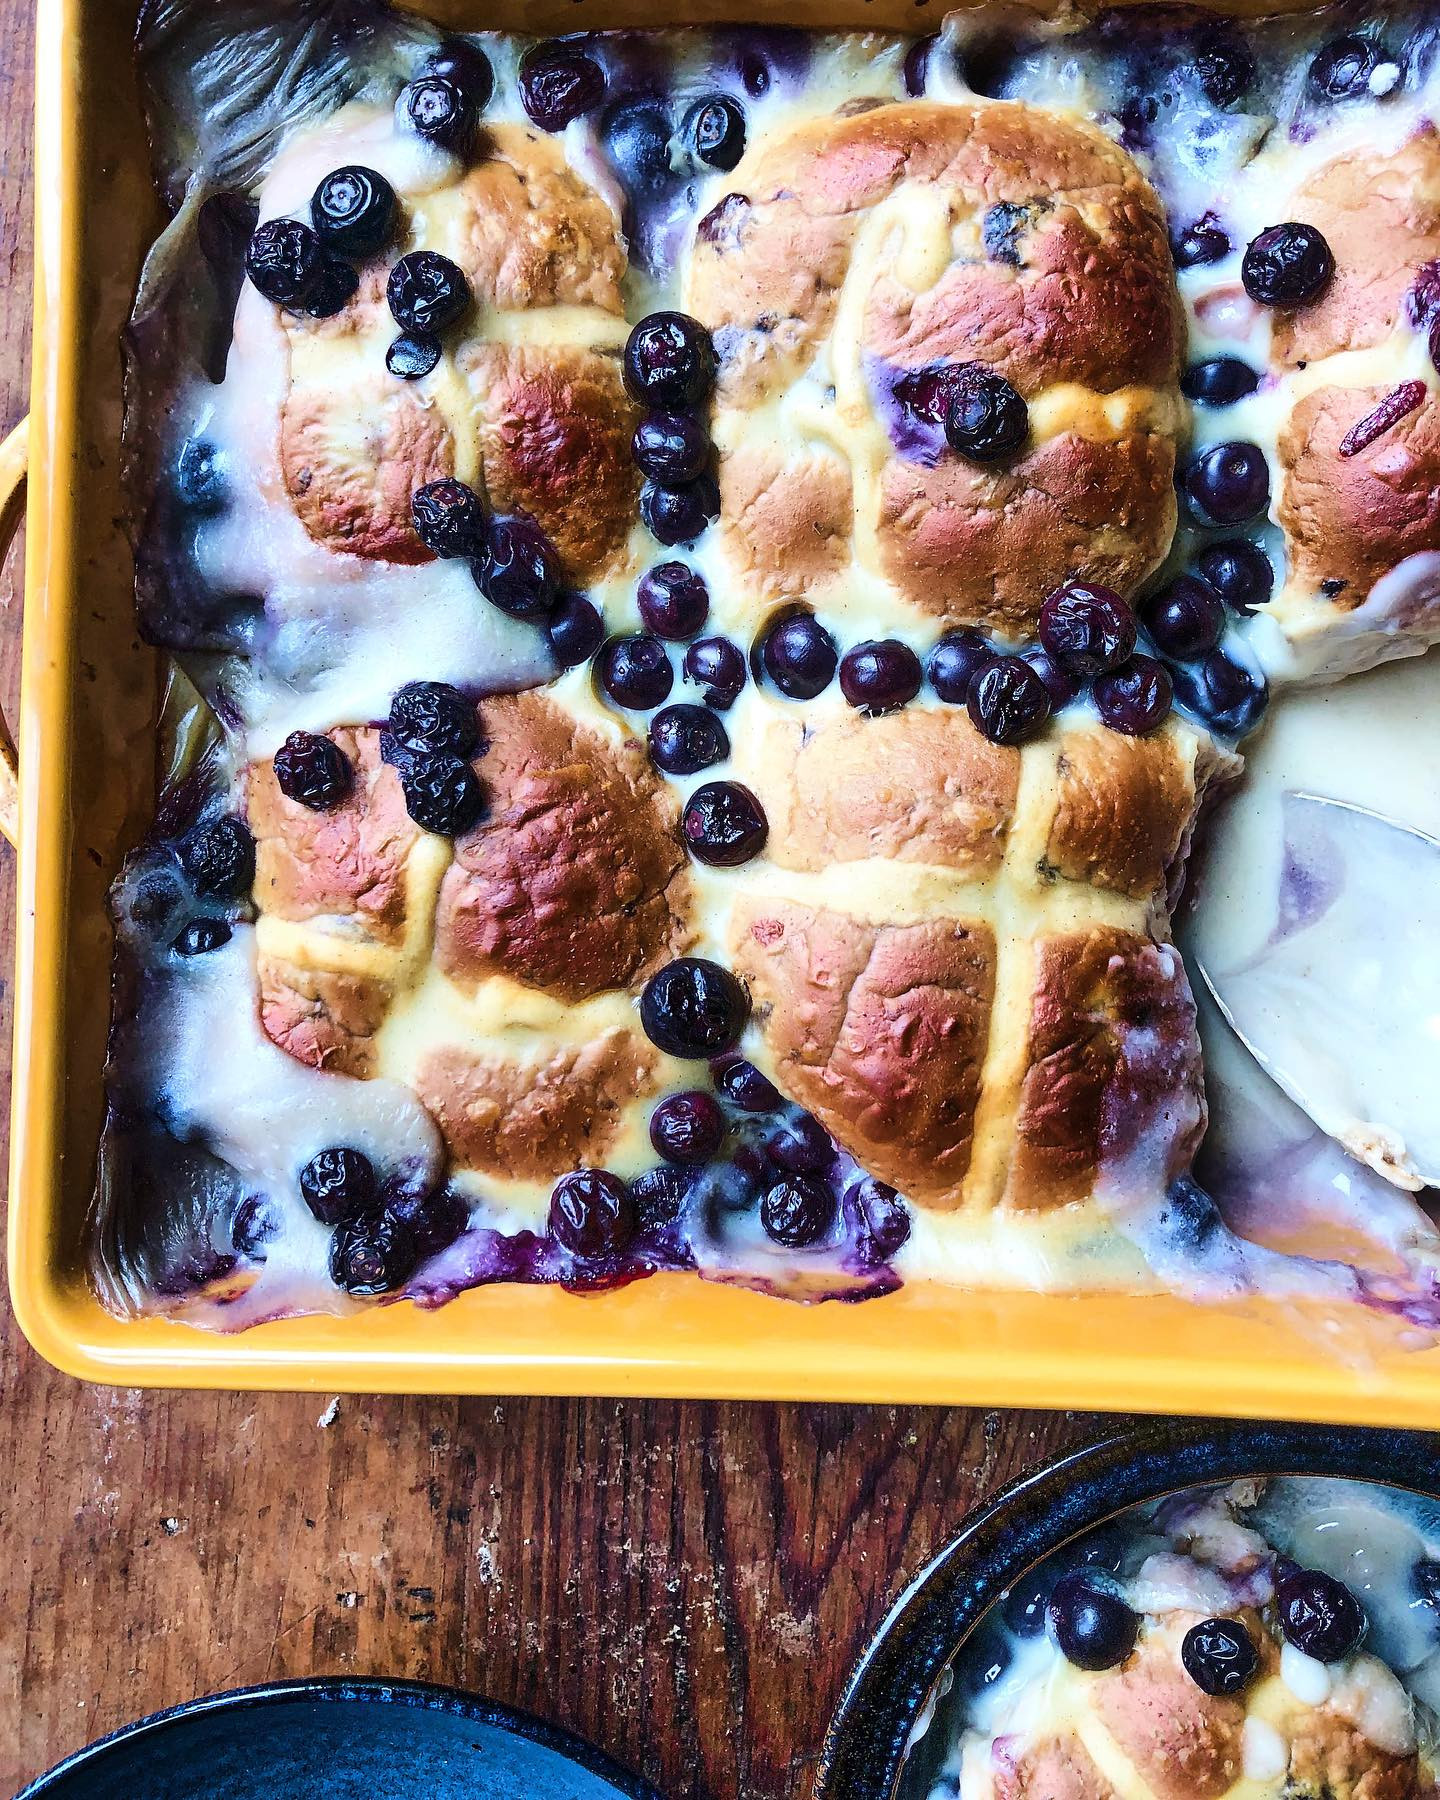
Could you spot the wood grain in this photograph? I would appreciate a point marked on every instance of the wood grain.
(687, 1585)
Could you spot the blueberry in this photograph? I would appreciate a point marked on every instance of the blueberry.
(1224, 693)
(1342, 69)
(744, 1086)
(591, 1213)
(427, 292)
(333, 291)
(1136, 697)
(798, 654)
(716, 131)
(434, 1218)
(1224, 69)
(1219, 1657)
(673, 599)
(518, 570)
(800, 1145)
(412, 356)
(687, 1128)
(253, 1227)
(686, 739)
(717, 666)
(1093, 1627)
(432, 715)
(1425, 1580)
(798, 1211)
(337, 1184)
(1062, 684)
(1200, 244)
(1008, 702)
(1318, 1614)
(442, 793)
(670, 447)
(986, 420)
(201, 936)
(1240, 572)
(575, 630)
(1186, 618)
(1001, 229)
(916, 67)
(955, 661)
(723, 825)
(693, 1008)
(883, 1220)
(1087, 628)
(679, 515)
(559, 82)
(353, 211)
(637, 136)
(284, 260)
(1286, 265)
(880, 675)
(1219, 382)
(1228, 484)
(441, 113)
(635, 672)
(313, 771)
(199, 476)
(659, 1194)
(466, 65)
(373, 1253)
(219, 858)
(669, 361)
(448, 518)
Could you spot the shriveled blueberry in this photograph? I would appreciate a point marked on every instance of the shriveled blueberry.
(1219, 382)
(1220, 1657)
(671, 448)
(1062, 684)
(253, 1227)
(1224, 69)
(591, 1213)
(1008, 702)
(659, 1194)
(440, 112)
(518, 570)
(559, 82)
(466, 64)
(1228, 484)
(353, 211)
(432, 715)
(1002, 228)
(798, 654)
(669, 361)
(986, 420)
(880, 675)
(1287, 265)
(373, 1253)
(716, 131)
(693, 1008)
(1240, 572)
(800, 1145)
(1343, 67)
(312, 771)
(716, 666)
(1228, 696)
(673, 599)
(1136, 697)
(679, 515)
(1318, 1614)
(337, 1184)
(442, 793)
(200, 477)
(1087, 628)
(1093, 1627)
(955, 661)
(412, 356)
(635, 672)
(427, 292)
(575, 630)
(201, 936)
(687, 1128)
(1186, 618)
(686, 739)
(744, 1086)
(883, 1220)
(333, 290)
(1201, 244)
(284, 261)
(448, 518)
(798, 1211)
(219, 858)
(723, 825)
(435, 1218)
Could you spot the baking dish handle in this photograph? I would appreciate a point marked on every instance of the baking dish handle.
(14, 460)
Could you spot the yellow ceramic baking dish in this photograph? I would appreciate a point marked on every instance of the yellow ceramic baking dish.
(86, 781)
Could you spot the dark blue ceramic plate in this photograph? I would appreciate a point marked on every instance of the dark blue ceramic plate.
(339, 1740)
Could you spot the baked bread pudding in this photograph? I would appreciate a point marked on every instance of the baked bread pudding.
(710, 576)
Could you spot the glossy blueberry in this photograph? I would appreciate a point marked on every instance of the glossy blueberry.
(373, 1253)
(1062, 684)
(635, 672)
(591, 1213)
(284, 261)
(882, 1220)
(518, 570)
(1425, 1582)
(1342, 69)
(1240, 572)
(1219, 382)
(337, 1184)
(670, 447)
(955, 661)
(1286, 265)
(679, 515)
(439, 111)
(685, 739)
(200, 476)
(442, 793)
(693, 1008)
(916, 69)
(1008, 702)
(1219, 1657)
(673, 599)
(201, 936)
(466, 64)
(723, 825)
(434, 1218)
(448, 518)
(431, 716)
(798, 654)
(427, 292)
(1186, 618)
(744, 1086)
(1318, 1614)
(312, 771)
(575, 630)
(1224, 69)
(412, 356)
(880, 675)
(1224, 693)
(253, 1227)
(687, 1128)
(798, 1211)
(717, 667)
(669, 362)
(1201, 244)
(353, 211)
(800, 1145)
(559, 82)
(1134, 698)
(1087, 628)
(219, 858)
(1228, 484)
(986, 420)
(638, 135)
(1093, 1627)
(715, 129)
(333, 291)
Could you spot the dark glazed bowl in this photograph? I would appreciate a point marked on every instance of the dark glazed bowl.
(865, 1747)
(340, 1740)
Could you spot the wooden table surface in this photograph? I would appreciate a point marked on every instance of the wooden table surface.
(687, 1585)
